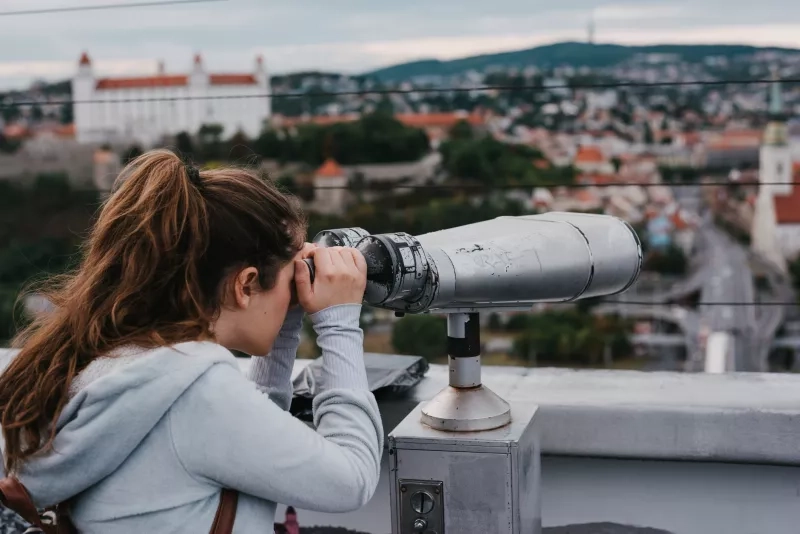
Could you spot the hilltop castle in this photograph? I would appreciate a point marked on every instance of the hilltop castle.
(145, 108)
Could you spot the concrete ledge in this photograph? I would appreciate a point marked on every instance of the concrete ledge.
(743, 417)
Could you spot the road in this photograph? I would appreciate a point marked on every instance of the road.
(730, 280)
(722, 274)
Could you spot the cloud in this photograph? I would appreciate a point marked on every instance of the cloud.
(358, 35)
(639, 12)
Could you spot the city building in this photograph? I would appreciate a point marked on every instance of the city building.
(330, 189)
(776, 218)
(592, 160)
(145, 108)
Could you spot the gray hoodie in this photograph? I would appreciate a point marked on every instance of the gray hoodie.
(150, 437)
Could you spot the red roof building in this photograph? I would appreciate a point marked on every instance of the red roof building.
(329, 169)
(787, 207)
(589, 154)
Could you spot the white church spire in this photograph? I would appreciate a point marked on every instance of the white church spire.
(775, 179)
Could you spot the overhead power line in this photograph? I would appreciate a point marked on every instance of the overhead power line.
(431, 90)
(489, 188)
(551, 185)
(102, 7)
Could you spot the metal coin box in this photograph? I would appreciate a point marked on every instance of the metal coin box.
(483, 482)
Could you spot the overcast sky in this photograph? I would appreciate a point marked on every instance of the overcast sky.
(356, 35)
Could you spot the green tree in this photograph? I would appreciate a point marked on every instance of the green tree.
(649, 138)
(240, 149)
(67, 114)
(421, 335)
(210, 142)
(185, 146)
(133, 152)
(36, 113)
(375, 138)
(272, 144)
(40, 228)
(671, 260)
(462, 131)
(10, 113)
(490, 162)
(571, 337)
(8, 146)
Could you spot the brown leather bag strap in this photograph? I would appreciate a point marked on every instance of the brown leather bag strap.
(13, 495)
(226, 512)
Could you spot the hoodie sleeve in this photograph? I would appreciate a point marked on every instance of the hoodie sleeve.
(273, 373)
(226, 432)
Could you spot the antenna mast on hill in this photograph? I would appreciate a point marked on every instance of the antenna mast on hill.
(591, 28)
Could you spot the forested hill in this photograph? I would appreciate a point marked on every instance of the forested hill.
(563, 54)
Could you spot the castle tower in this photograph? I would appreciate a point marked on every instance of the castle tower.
(262, 78)
(83, 91)
(775, 178)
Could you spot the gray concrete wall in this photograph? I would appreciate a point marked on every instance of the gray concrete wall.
(678, 497)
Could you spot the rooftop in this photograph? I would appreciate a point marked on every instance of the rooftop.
(589, 154)
(626, 452)
(330, 169)
(172, 80)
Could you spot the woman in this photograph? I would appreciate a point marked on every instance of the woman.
(127, 398)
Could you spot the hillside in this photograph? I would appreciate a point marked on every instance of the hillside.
(561, 54)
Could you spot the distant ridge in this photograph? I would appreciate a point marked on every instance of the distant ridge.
(573, 54)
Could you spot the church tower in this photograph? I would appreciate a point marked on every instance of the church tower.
(776, 156)
(775, 178)
(83, 92)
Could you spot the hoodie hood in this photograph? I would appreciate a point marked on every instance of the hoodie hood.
(115, 403)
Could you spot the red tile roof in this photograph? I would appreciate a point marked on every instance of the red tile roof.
(589, 154)
(15, 131)
(735, 139)
(232, 79)
(679, 222)
(446, 120)
(178, 80)
(787, 208)
(143, 82)
(330, 169)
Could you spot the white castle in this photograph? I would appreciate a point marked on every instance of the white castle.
(144, 109)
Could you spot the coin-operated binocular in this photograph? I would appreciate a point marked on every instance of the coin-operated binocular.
(467, 433)
(504, 264)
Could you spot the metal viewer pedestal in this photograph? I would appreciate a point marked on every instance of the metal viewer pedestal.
(460, 463)
(466, 405)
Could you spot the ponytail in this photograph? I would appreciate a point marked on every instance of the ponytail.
(152, 274)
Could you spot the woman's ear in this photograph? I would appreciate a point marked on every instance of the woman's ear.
(243, 287)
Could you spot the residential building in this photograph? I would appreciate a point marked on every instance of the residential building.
(145, 108)
(107, 166)
(591, 159)
(330, 189)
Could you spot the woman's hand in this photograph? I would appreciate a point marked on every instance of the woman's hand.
(306, 252)
(340, 278)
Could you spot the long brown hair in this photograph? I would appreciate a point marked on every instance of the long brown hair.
(153, 273)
